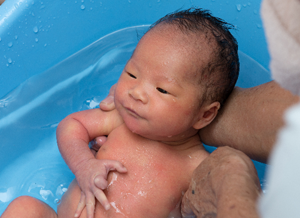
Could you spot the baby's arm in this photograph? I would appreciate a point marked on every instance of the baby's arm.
(73, 136)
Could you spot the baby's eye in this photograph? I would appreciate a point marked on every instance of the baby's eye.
(131, 75)
(162, 90)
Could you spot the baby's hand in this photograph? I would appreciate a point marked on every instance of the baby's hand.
(108, 103)
(92, 179)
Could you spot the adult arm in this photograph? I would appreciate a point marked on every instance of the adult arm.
(224, 185)
(250, 120)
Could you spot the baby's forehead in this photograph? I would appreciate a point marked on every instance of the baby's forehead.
(197, 46)
(195, 50)
(184, 35)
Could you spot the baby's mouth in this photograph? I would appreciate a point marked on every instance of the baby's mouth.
(133, 113)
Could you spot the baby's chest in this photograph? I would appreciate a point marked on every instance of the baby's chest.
(140, 155)
(155, 179)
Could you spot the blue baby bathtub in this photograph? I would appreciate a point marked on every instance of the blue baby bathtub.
(58, 57)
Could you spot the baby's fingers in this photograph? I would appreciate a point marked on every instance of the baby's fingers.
(114, 165)
(90, 205)
(108, 103)
(99, 194)
(100, 182)
(81, 205)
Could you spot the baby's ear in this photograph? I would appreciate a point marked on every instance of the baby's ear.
(207, 115)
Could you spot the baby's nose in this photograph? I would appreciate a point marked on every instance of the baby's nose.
(139, 93)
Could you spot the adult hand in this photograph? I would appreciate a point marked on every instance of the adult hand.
(97, 143)
(224, 185)
(108, 103)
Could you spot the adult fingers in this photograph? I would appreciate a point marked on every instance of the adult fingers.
(108, 103)
(97, 143)
(100, 140)
(186, 210)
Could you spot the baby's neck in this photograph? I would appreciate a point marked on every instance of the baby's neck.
(184, 143)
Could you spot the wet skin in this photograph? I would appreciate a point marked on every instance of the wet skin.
(158, 97)
(157, 176)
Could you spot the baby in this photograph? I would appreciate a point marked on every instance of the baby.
(179, 75)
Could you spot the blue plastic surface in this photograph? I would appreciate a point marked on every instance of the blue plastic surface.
(37, 39)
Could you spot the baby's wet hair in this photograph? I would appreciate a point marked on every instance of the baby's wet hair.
(221, 73)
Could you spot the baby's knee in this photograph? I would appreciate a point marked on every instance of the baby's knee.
(26, 202)
(20, 205)
(26, 206)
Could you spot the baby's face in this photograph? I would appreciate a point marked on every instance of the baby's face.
(157, 94)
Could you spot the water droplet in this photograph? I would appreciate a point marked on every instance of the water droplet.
(16, 37)
(0, 39)
(45, 45)
(255, 11)
(239, 7)
(259, 26)
(9, 60)
(100, 4)
(35, 29)
(57, 201)
(36, 39)
(244, 5)
(82, 7)
(43, 6)
(129, 1)
(249, 3)
(82, 1)
(10, 44)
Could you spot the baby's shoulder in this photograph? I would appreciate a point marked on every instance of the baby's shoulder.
(196, 155)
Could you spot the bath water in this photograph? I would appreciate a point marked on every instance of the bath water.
(30, 161)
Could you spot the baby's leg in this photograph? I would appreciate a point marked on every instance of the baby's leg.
(28, 207)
